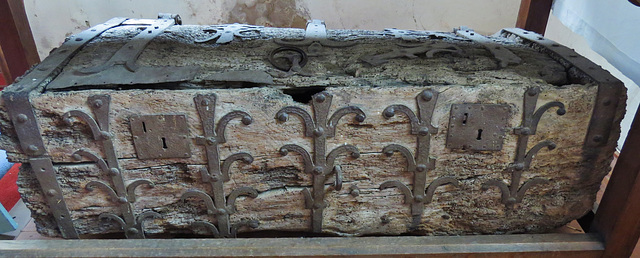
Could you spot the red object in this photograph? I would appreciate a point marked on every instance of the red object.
(3, 82)
(9, 195)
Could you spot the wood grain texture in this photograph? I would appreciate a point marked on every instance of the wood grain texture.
(473, 77)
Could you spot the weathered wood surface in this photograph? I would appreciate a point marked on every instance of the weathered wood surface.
(471, 78)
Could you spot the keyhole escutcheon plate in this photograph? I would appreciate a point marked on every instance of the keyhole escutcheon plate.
(160, 136)
(477, 127)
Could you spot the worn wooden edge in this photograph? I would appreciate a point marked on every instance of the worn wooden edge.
(534, 245)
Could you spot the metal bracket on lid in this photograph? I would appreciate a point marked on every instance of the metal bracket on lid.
(504, 56)
(316, 38)
(122, 67)
(609, 87)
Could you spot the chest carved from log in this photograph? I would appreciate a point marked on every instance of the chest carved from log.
(150, 127)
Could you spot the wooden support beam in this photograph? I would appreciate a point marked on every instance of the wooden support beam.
(17, 47)
(542, 245)
(533, 15)
(617, 219)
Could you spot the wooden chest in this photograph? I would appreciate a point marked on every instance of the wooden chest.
(150, 127)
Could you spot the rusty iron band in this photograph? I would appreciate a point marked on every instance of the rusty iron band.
(25, 123)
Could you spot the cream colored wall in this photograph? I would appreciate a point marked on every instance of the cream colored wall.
(52, 21)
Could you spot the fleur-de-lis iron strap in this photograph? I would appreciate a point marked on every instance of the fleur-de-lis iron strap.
(514, 193)
(215, 173)
(320, 127)
(421, 126)
(133, 229)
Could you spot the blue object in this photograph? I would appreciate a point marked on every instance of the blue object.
(7, 224)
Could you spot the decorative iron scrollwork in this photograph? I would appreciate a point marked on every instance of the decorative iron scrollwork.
(421, 126)
(216, 174)
(514, 193)
(118, 191)
(411, 51)
(226, 33)
(503, 55)
(320, 165)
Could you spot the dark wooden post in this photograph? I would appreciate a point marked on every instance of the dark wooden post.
(533, 15)
(17, 48)
(617, 219)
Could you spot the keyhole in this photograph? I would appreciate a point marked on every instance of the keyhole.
(144, 127)
(464, 120)
(479, 135)
(164, 143)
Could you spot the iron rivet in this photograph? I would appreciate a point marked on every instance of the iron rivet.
(561, 111)
(426, 95)
(318, 170)
(606, 102)
(247, 120)
(360, 118)
(317, 205)
(318, 132)
(519, 166)
(52, 192)
(254, 224)
(204, 102)
(320, 98)
(446, 216)
(355, 192)
(423, 131)
(419, 198)
(122, 200)
(132, 231)
(389, 153)
(284, 152)
(247, 160)
(211, 141)
(222, 211)
(215, 178)
(97, 103)
(114, 171)
(532, 92)
(105, 135)
(525, 131)
(21, 118)
(283, 117)
(421, 167)
(597, 138)
(78, 39)
(33, 148)
(355, 155)
(511, 200)
(389, 112)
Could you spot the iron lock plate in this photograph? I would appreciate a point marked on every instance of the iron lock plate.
(160, 136)
(477, 127)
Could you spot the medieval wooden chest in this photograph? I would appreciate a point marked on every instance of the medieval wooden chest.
(150, 127)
